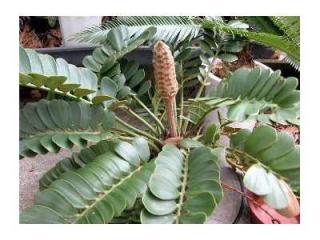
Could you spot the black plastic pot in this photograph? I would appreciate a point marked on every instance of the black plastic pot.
(259, 51)
(286, 69)
(74, 55)
(143, 55)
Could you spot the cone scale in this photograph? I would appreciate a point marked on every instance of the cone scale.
(166, 82)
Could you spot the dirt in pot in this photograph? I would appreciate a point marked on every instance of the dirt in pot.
(292, 129)
(245, 59)
(36, 32)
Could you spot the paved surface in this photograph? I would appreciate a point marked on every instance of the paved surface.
(31, 170)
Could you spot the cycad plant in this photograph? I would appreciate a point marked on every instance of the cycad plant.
(279, 32)
(165, 168)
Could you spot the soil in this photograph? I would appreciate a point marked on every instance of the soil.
(30, 95)
(35, 32)
(245, 59)
(293, 130)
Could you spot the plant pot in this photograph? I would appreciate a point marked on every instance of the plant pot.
(260, 51)
(287, 70)
(75, 54)
(72, 25)
(265, 214)
(232, 209)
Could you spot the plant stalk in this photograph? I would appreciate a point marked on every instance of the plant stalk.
(148, 110)
(142, 120)
(181, 110)
(139, 131)
(58, 92)
(171, 118)
(155, 147)
(183, 187)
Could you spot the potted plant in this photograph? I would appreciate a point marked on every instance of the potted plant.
(178, 28)
(167, 171)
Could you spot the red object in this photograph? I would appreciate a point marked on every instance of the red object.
(263, 213)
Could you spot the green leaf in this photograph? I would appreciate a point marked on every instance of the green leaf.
(256, 180)
(211, 134)
(51, 125)
(43, 71)
(108, 87)
(144, 88)
(118, 43)
(137, 78)
(261, 93)
(182, 189)
(148, 218)
(76, 161)
(156, 206)
(272, 151)
(233, 46)
(128, 152)
(130, 69)
(101, 98)
(278, 198)
(171, 29)
(94, 192)
(254, 145)
(190, 143)
(237, 140)
(227, 57)
(199, 108)
(142, 147)
(116, 36)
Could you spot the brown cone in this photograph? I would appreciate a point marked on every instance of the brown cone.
(164, 71)
(166, 82)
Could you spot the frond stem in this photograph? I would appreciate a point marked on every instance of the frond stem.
(148, 110)
(139, 131)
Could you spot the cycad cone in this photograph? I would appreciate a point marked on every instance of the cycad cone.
(166, 82)
(293, 208)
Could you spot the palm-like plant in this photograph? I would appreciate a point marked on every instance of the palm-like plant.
(166, 169)
(170, 28)
(279, 32)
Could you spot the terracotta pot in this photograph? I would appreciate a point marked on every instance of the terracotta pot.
(259, 214)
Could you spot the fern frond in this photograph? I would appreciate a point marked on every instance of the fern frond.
(262, 24)
(278, 42)
(286, 26)
(290, 26)
(169, 28)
